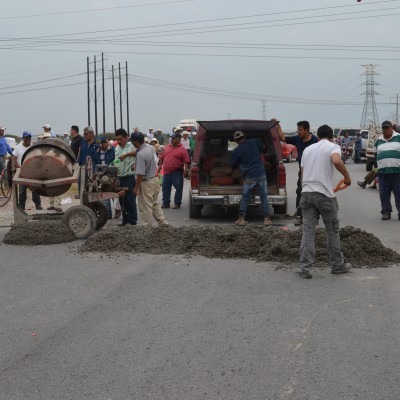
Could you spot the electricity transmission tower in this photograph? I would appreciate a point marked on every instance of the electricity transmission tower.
(370, 112)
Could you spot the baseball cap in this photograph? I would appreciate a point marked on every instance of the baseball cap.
(102, 139)
(237, 135)
(3, 128)
(46, 126)
(26, 134)
(176, 135)
(386, 124)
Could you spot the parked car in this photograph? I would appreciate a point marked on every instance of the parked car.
(213, 182)
(289, 152)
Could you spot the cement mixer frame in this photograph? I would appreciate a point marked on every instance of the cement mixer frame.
(83, 219)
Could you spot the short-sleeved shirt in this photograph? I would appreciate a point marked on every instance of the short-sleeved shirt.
(318, 167)
(388, 154)
(76, 144)
(174, 158)
(146, 161)
(300, 145)
(247, 157)
(19, 152)
(4, 147)
(125, 167)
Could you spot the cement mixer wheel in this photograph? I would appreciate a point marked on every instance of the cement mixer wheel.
(101, 213)
(81, 220)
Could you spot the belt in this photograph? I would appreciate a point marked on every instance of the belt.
(147, 179)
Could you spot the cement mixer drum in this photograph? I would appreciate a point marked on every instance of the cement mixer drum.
(45, 160)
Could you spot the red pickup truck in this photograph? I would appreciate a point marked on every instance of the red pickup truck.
(214, 182)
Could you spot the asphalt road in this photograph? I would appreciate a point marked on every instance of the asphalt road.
(165, 327)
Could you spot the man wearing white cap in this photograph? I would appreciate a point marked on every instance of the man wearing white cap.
(4, 148)
(47, 129)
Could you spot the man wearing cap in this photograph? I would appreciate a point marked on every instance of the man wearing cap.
(174, 162)
(4, 149)
(159, 136)
(387, 153)
(150, 134)
(147, 187)
(125, 152)
(19, 151)
(246, 156)
(47, 130)
(67, 140)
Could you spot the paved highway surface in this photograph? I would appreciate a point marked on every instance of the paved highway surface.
(170, 327)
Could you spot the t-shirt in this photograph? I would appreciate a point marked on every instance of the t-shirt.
(247, 157)
(186, 143)
(174, 158)
(301, 146)
(318, 167)
(146, 161)
(19, 151)
(76, 144)
(388, 154)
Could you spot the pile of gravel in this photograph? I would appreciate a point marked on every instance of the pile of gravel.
(253, 242)
(35, 233)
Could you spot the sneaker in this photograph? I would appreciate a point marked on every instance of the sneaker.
(39, 208)
(51, 208)
(267, 221)
(241, 221)
(58, 209)
(165, 206)
(298, 221)
(373, 187)
(344, 269)
(176, 206)
(304, 274)
(361, 184)
(117, 214)
(386, 216)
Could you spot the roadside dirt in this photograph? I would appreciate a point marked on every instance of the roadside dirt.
(253, 242)
(39, 233)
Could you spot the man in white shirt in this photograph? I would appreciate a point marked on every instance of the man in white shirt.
(18, 153)
(318, 198)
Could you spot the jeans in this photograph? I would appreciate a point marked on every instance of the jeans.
(314, 204)
(357, 156)
(176, 180)
(22, 197)
(389, 183)
(107, 203)
(248, 185)
(128, 201)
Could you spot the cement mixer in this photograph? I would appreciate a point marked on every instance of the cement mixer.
(49, 169)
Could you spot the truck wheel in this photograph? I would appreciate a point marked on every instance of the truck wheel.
(289, 159)
(369, 165)
(81, 220)
(101, 213)
(281, 209)
(194, 210)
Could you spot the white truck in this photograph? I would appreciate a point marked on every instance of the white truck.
(189, 123)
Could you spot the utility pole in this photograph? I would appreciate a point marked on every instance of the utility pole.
(370, 112)
(120, 95)
(264, 110)
(115, 113)
(104, 97)
(127, 97)
(95, 97)
(88, 88)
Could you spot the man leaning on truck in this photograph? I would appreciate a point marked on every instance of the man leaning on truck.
(247, 157)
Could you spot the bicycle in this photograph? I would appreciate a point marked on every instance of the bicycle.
(6, 184)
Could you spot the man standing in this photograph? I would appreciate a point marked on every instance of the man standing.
(19, 151)
(246, 156)
(387, 153)
(147, 187)
(175, 164)
(159, 136)
(302, 140)
(76, 140)
(150, 134)
(47, 129)
(126, 153)
(4, 148)
(318, 198)
(88, 147)
(357, 148)
(67, 140)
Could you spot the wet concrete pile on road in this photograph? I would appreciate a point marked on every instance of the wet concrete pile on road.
(254, 242)
(35, 233)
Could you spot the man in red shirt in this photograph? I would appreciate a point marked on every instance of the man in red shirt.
(175, 162)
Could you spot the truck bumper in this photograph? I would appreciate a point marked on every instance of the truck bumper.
(232, 200)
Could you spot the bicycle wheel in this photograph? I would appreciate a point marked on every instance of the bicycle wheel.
(5, 185)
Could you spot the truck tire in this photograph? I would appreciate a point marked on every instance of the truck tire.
(81, 220)
(281, 209)
(194, 210)
(369, 165)
(101, 212)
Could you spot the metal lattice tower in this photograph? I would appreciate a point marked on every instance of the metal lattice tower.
(370, 112)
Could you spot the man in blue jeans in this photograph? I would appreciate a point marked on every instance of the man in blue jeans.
(247, 157)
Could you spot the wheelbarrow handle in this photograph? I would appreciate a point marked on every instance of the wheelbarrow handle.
(340, 186)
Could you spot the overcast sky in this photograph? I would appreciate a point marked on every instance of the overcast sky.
(202, 59)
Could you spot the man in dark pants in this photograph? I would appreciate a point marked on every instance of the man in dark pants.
(125, 152)
(357, 148)
(387, 153)
(302, 140)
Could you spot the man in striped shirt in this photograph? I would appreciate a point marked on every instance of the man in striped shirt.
(387, 153)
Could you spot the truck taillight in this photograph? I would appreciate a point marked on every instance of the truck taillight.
(194, 177)
(281, 176)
